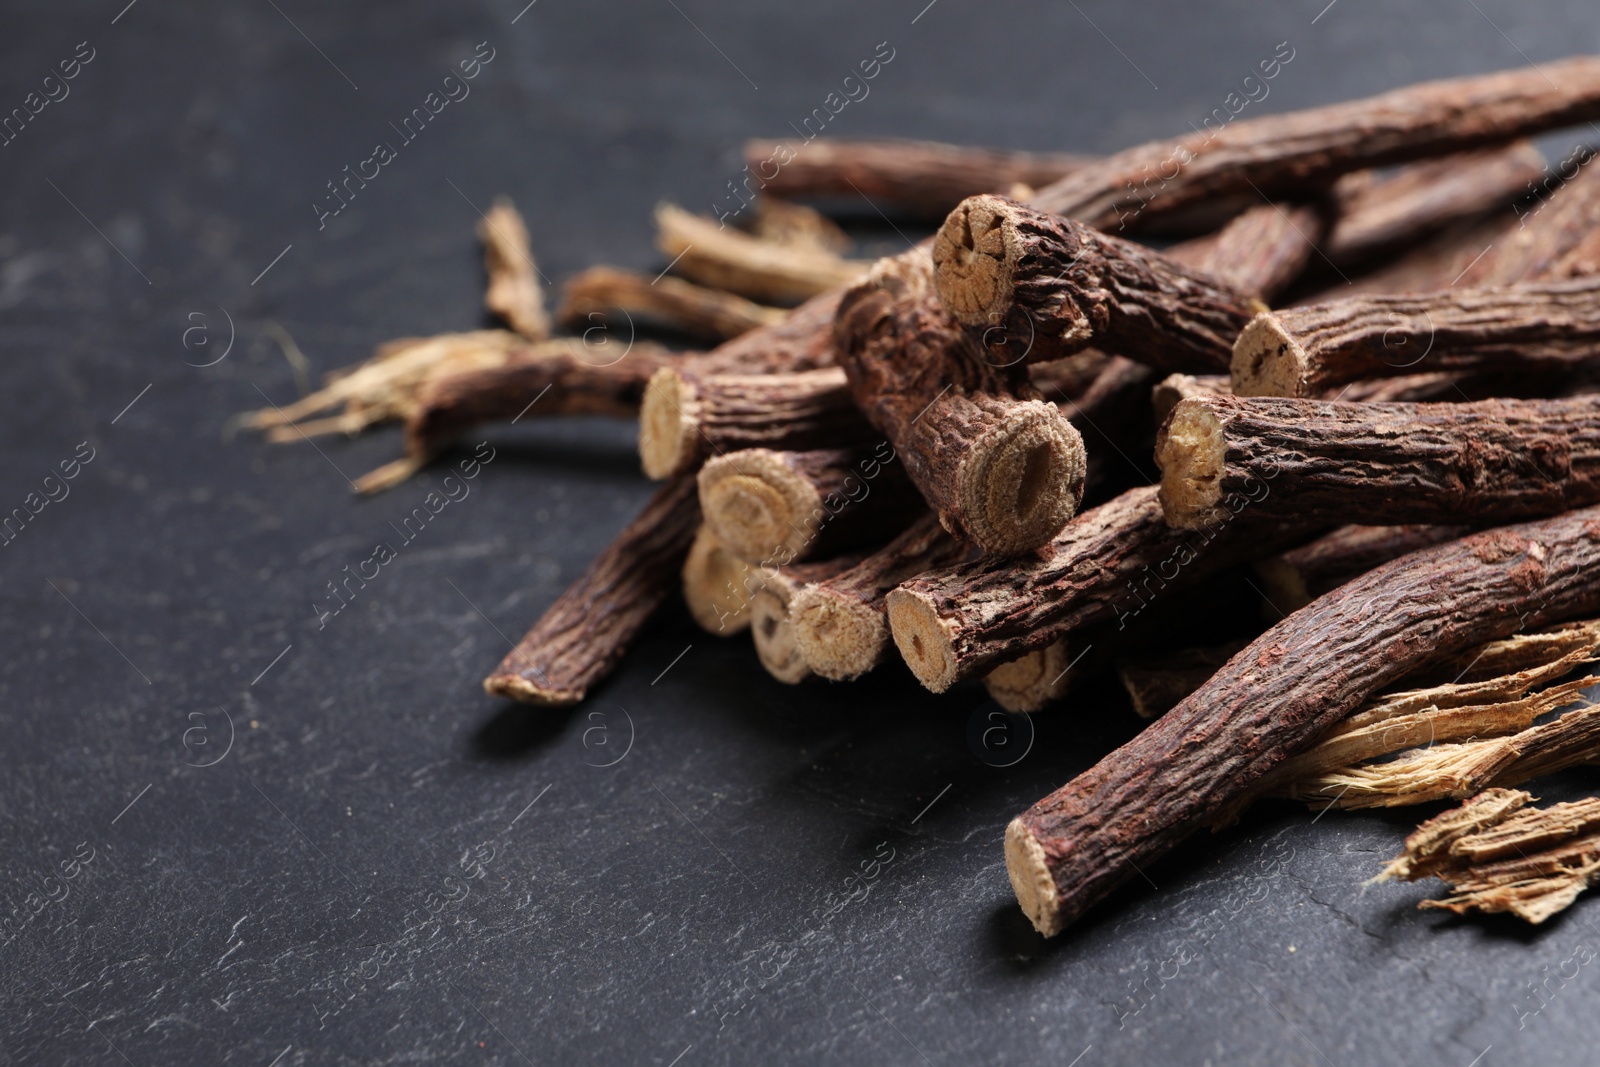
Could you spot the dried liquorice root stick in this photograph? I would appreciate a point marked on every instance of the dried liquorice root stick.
(385, 386)
(447, 407)
(1261, 252)
(771, 506)
(1039, 287)
(610, 297)
(1306, 351)
(1195, 764)
(1497, 855)
(921, 178)
(1106, 566)
(1295, 578)
(714, 585)
(1000, 467)
(725, 258)
(797, 226)
(1307, 150)
(840, 624)
(562, 377)
(1484, 462)
(1376, 214)
(772, 614)
(582, 636)
(687, 417)
(1554, 227)
(513, 291)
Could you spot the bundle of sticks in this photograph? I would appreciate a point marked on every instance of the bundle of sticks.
(1391, 318)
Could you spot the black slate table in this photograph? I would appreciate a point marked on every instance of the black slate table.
(237, 829)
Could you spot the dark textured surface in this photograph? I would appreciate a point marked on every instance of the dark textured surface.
(361, 879)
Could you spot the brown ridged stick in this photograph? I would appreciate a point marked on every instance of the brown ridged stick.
(1105, 567)
(722, 257)
(686, 417)
(1305, 351)
(1481, 463)
(582, 636)
(1298, 576)
(772, 615)
(605, 375)
(611, 298)
(1262, 251)
(714, 582)
(921, 178)
(840, 624)
(1306, 150)
(1193, 766)
(513, 292)
(1378, 213)
(1000, 467)
(767, 506)
(1547, 231)
(1036, 286)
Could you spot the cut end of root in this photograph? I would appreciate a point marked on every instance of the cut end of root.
(714, 586)
(1267, 361)
(668, 428)
(774, 637)
(389, 475)
(974, 254)
(1029, 683)
(920, 636)
(840, 636)
(1031, 879)
(760, 508)
(1190, 455)
(1023, 480)
(523, 691)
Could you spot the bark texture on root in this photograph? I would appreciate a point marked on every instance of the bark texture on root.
(686, 417)
(1001, 468)
(1295, 578)
(1262, 251)
(1106, 566)
(1192, 767)
(1036, 286)
(921, 178)
(590, 378)
(1536, 327)
(581, 638)
(1313, 461)
(1547, 232)
(840, 624)
(783, 507)
(1380, 213)
(1306, 150)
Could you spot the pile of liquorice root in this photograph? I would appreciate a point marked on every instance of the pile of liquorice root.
(1383, 313)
